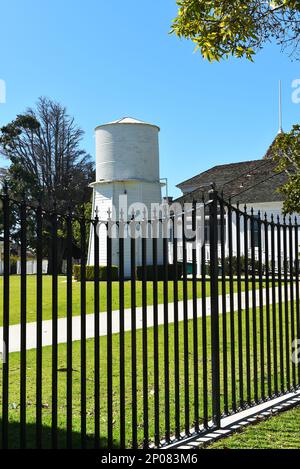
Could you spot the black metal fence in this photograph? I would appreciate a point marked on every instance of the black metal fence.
(204, 330)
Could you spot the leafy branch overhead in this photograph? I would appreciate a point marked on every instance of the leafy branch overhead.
(223, 28)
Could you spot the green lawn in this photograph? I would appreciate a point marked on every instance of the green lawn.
(14, 399)
(62, 296)
(278, 432)
(14, 411)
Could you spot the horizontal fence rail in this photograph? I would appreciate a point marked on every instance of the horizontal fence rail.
(157, 329)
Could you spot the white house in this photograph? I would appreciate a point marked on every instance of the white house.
(253, 184)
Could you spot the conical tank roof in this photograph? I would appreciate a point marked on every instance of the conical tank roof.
(128, 120)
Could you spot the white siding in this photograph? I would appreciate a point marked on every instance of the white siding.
(106, 197)
(127, 152)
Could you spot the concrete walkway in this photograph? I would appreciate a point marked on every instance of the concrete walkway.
(15, 331)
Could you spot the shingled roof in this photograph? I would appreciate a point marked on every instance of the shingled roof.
(247, 182)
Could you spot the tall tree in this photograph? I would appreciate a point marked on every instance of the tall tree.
(47, 164)
(222, 28)
(44, 148)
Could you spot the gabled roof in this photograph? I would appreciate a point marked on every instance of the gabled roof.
(128, 120)
(221, 174)
(270, 152)
(246, 181)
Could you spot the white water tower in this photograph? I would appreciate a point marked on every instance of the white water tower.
(127, 164)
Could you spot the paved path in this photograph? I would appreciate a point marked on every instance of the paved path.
(15, 331)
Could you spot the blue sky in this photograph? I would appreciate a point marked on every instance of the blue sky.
(106, 59)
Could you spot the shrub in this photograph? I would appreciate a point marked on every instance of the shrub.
(160, 272)
(242, 265)
(226, 266)
(90, 271)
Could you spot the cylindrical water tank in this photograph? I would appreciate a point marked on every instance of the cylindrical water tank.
(127, 149)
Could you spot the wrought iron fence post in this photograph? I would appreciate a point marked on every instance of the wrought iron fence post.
(6, 311)
(214, 293)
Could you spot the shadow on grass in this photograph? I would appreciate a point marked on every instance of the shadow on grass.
(14, 429)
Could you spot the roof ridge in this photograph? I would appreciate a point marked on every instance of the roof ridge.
(216, 167)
